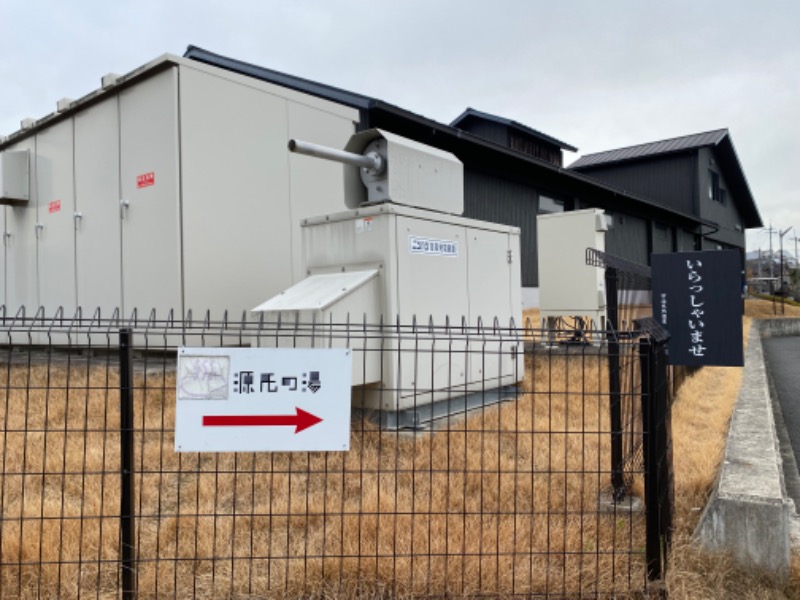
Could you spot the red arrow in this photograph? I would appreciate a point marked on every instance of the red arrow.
(301, 420)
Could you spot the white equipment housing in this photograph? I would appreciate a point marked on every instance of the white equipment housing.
(387, 264)
(14, 177)
(568, 287)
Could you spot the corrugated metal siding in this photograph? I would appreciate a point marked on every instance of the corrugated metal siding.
(727, 215)
(685, 241)
(628, 239)
(530, 145)
(490, 198)
(668, 180)
(662, 238)
(494, 132)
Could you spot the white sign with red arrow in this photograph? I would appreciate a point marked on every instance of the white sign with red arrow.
(263, 399)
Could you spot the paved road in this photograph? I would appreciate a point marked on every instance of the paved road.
(782, 355)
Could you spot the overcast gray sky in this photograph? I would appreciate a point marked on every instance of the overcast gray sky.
(595, 74)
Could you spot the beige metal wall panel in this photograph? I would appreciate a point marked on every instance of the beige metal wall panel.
(431, 284)
(495, 298)
(316, 186)
(55, 231)
(151, 273)
(20, 244)
(97, 201)
(489, 274)
(236, 215)
(431, 287)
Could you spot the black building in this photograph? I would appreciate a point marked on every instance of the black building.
(697, 174)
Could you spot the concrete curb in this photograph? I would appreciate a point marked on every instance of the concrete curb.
(749, 513)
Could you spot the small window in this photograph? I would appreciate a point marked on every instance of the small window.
(549, 205)
(723, 197)
(713, 185)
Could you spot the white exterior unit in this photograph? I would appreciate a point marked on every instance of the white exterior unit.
(14, 177)
(568, 287)
(389, 264)
(170, 190)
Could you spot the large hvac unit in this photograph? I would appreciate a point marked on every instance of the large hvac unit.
(413, 266)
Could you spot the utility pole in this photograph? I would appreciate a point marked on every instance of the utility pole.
(782, 233)
(770, 231)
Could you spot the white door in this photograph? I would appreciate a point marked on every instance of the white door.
(55, 230)
(151, 242)
(98, 244)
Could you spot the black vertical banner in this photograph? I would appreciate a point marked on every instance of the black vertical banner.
(697, 298)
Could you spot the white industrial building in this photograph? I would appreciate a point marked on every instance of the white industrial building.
(170, 188)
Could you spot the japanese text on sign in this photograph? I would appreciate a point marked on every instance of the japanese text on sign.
(697, 298)
(696, 303)
(419, 245)
(263, 399)
(244, 382)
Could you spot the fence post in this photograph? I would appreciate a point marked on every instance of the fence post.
(614, 386)
(127, 524)
(658, 496)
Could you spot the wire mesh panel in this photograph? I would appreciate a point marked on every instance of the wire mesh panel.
(59, 460)
(500, 491)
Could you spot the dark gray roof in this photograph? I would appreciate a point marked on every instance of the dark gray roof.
(687, 142)
(313, 88)
(718, 140)
(472, 113)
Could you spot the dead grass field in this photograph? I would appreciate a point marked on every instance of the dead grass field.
(700, 418)
(503, 502)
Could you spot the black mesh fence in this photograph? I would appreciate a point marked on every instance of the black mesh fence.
(495, 477)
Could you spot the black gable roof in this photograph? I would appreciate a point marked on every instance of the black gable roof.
(718, 140)
(307, 86)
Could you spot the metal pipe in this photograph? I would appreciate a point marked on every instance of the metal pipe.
(371, 162)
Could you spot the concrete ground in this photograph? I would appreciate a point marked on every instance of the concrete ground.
(751, 512)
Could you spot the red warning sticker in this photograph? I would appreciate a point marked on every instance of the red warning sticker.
(145, 180)
(54, 206)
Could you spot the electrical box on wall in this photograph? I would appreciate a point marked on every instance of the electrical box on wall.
(14, 177)
(568, 287)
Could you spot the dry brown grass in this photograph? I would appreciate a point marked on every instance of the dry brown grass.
(505, 501)
(700, 418)
(765, 309)
(467, 510)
